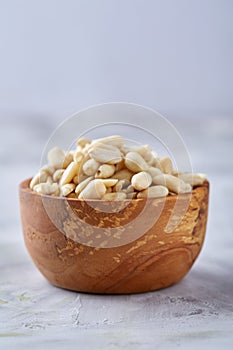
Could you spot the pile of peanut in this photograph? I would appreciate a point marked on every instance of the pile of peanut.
(107, 169)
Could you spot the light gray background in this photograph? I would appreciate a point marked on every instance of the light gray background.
(59, 56)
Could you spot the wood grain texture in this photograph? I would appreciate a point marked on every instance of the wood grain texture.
(108, 260)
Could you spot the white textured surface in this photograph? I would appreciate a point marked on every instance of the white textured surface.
(196, 313)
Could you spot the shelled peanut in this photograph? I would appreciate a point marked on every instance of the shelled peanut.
(107, 169)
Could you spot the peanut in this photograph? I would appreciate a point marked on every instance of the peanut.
(78, 156)
(141, 181)
(58, 174)
(90, 167)
(157, 164)
(56, 157)
(166, 165)
(76, 180)
(153, 158)
(154, 171)
(115, 196)
(153, 192)
(119, 166)
(47, 169)
(109, 182)
(38, 178)
(83, 141)
(95, 189)
(132, 195)
(105, 170)
(68, 159)
(121, 185)
(71, 195)
(135, 162)
(146, 153)
(69, 173)
(49, 180)
(80, 177)
(129, 189)
(105, 153)
(67, 189)
(193, 179)
(123, 174)
(83, 184)
(114, 140)
(174, 184)
(46, 188)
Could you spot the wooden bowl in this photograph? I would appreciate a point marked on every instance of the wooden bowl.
(102, 247)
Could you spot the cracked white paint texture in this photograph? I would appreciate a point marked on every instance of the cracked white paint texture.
(196, 313)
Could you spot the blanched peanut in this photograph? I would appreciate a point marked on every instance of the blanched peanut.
(109, 182)
(157, 164)
(146, 153)
(153, 192)
(49, 180)
(121, 185)
(187, 188)
(58, 174)
(154, 171)
(57, 192)
(81, 177)
(154, 154)
(78, 156)
(67, 189)
(83, 141)
(68, 159)
(129, 189)
(86, 148)
(115, 196)
(76, 180)
(132, 195)
(152, 160)
(34, 181)
(38, 178)
(166, 165)
(135, 162)
(105, 153)
(46, 188)
(126, 149)
(105, 171)
(83, 184)
(72, 195)
(114, 140)
(90, 167)
(173, 183)
(94, 190)
(123, 174)
(106, 168)
(119, 166)
(193, 179)
(56, 157)
(141, 181)
(69, 173)
(47, 169)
